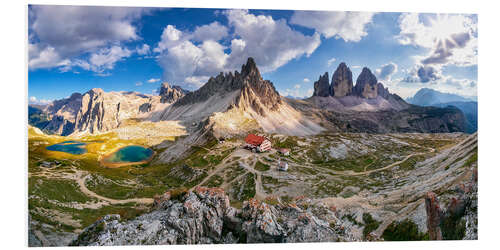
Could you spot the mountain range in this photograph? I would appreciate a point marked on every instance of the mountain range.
(232, 104)
(430, 97)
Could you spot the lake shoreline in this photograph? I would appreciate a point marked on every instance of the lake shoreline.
(107, 164)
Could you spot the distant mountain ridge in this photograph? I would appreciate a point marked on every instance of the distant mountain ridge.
(430, 97)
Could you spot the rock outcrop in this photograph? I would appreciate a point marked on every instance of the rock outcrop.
(434, 215)
(382, 91)
(62, 114)
(170, 94)
(322, 86)
(341, 81)
(366, 84)
(94, 111)
(204, 216)
(458, 221)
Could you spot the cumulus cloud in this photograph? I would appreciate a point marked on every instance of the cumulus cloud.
(144, 50)
(214, 31)
(60, 35)
(34, 100)
(47, 57)
(153, 80)
(449, 38)
(104, 59)
(428, 73)
(189, 64)
(331, 61)
(138, 84)
(346, 25)
(73, 29)
(271, 42)
(306, 80)
(423, 73)
(190, 58)
(170, 37)
(386, 71)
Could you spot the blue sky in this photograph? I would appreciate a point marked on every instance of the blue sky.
(74, 49)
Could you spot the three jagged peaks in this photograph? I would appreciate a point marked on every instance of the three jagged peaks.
(342, 84)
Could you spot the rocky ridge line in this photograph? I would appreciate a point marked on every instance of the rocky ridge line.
(204, 216)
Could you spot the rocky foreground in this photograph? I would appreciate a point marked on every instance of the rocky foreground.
(204, 216)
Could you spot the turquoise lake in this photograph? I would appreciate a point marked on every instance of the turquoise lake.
(132, 153)
(71, 147)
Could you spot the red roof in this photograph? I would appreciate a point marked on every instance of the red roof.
(254, 139)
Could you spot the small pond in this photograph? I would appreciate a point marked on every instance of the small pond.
(129, 154)
(71, 147)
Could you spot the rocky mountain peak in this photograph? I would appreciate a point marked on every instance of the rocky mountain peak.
(75, 96)
(255, 92)
(250, 68)
(322, 86)
(366, 84)
(383, 91)
(341, 81)
(95, 91)
(170, 94)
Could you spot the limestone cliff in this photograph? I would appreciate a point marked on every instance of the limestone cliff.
(94, 111)
(341, 81)
(322, 86)
(366, 84)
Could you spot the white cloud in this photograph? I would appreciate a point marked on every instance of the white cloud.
(105, 59)
(187, 63)
(306, 80)
(349, 26)
(63, 36)
(297, 86)
(144, 50)
(138, 84)
(214, 31)
(423, 73)
(331, 61)
(189, 59)
(44, 57)
(170, 37)
(356, 67)
(153, 80)
(34, 100)
(74, 29)
(449, 38)
(386, 71)
(272, 43)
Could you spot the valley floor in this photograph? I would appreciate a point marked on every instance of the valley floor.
(384, 175)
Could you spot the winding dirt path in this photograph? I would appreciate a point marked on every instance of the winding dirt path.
(81, 183)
